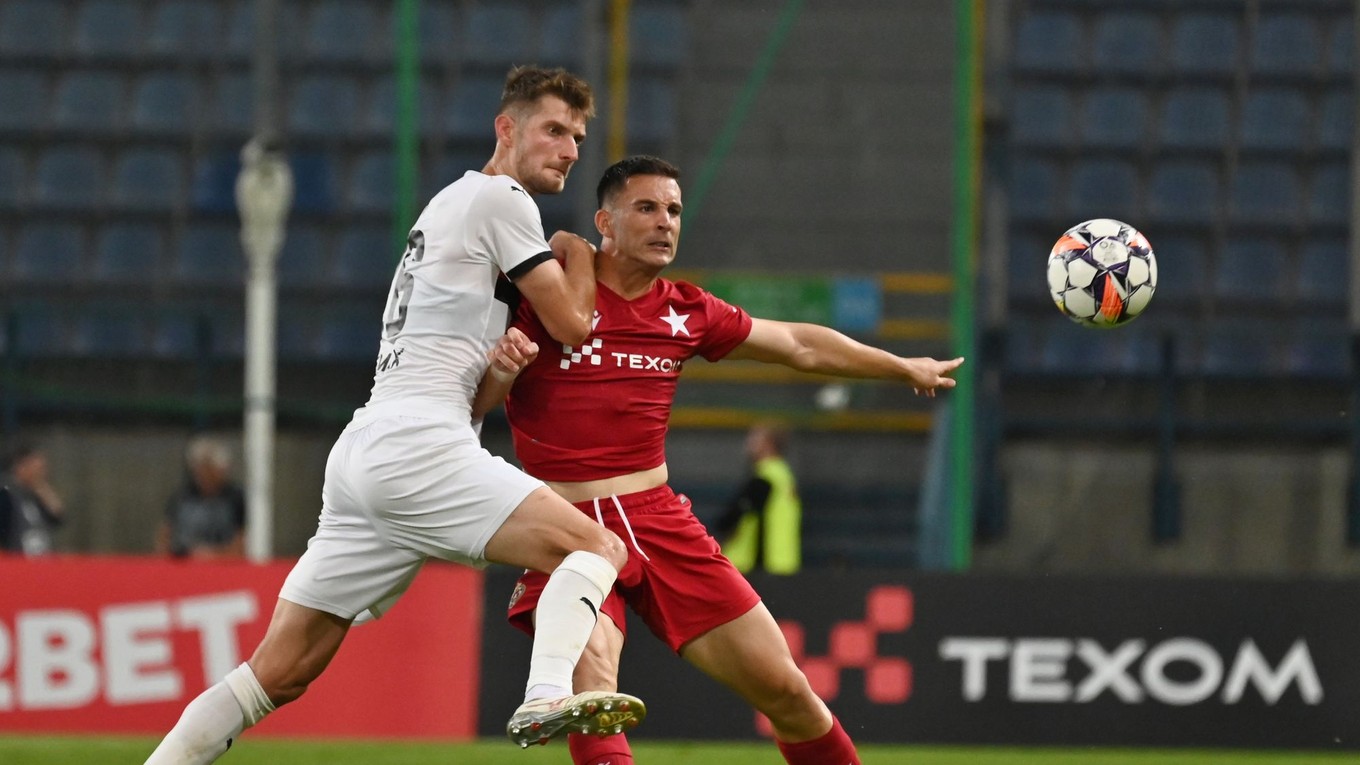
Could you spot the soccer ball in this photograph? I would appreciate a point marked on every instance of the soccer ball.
(1102, 273)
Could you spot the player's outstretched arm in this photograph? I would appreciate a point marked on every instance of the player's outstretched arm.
(814, 348)
(511, 354)
(563, 295)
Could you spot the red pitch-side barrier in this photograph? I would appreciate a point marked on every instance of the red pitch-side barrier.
(120, 645)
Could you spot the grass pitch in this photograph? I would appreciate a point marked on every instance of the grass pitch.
(108, 750)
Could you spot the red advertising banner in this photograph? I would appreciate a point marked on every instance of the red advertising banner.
(122, 644)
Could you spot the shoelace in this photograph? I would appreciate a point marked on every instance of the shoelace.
(599, 516)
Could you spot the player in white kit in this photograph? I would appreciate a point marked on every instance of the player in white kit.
(408, 479)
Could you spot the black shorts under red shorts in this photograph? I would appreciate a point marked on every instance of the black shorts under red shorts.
(676, 578)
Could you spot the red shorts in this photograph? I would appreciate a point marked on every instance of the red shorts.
(676, 578)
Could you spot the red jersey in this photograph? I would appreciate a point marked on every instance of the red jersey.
(601, 409)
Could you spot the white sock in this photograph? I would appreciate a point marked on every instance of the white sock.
(563, 623)
(212, 721)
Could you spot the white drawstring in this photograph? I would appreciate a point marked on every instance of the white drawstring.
(599, 516)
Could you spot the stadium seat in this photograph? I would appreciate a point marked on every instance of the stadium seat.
(175, 337)
(1329, 194)
(1182, 269)
(1067, 350)
(1026, 264)
(1324, 272)
(652, 110)
(13, 177)
(69, 178)
(209, 254)
(23, 100)
(1336, 121)
(162, 102)
(233, 105)
(1265, 193)
(1341, 50)
(380, 115)
(1103, 188)
(129, 253)
(1317, 349)
(1184, 192)
(349, 334)
(33, 27)
(1286, 43)
(240, 30)
(441, 34)
(87, 100)
(324, 105)
(49, 253)
(214, 182)
(372, 186)
(1205, 43)
(1050, 42)
(1127, 42)
(183, 29)
(1042, 116)
(365, 257)
(302, 260)
(1195, 118)
(1252, 269)
(341, 30)
(111, 334)
(450, 167)
(1275, 119)
(296, 328)
(107, 28)
(314, 183)
(656, 34)
(1240, 348)
(470, 108)
(148, 179)
(1114, 118)
(226, 332)
(497, 35)
(1034, 190)
(45, 333)
(561, 34)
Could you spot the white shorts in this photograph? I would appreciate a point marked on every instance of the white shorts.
(400, 489)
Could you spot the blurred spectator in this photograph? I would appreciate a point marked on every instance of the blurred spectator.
(30, 509)
(762, 525)
(206, 518)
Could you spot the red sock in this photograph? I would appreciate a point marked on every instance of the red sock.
(593, 750)
(833, 748)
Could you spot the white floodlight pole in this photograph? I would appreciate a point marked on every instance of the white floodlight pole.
(264, 194)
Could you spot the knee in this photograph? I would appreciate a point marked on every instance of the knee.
(791, 704)
(607, 545)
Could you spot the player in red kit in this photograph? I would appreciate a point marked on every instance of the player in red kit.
(590, 421)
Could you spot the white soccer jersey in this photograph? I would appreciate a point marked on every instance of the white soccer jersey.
(442, 314)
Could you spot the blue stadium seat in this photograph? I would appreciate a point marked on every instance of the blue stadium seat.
(365, 257)
(1252, 268)
(1127, 42)
(324, 105)
(372, 186)
(379, 118)
(1050, 42)
(1329, 194)
(49, 253)
(1205, 43)
(451, 166)
(209, 254)
(88, 101)
(1240, 348)
(1042, 116)
(45, 334)
(1114, 118)
(652, 109)
(560, 36)
(296, 328)
(69, 178)
(341, 30)
(148, 179)
(13, 177)
(1069, 348)
(214, 182)
(497, 35)
(226, 334)
(1286, 43)
(349, 334)
(1103, 188)
(1341, 49)
(471, 107)
(1265, 192)
(302, 260)
(1182, 269)
(1275, 119)
(1034, 190)
(129, 253)
(1324, 272)
(1317, 349)
(1336, 122)
(162, 102)
(108, 334)
(314, 182)
(175, 337)
(1026, 264)
(1195, 118)
(184, 29)
(23, 100)
(1184, 192)
(240, 30)
(441, 34)
(33, 27)
(107, 28)
(233, 104)
(657, 34)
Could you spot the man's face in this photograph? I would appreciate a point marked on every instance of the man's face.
(547, 134)
(644, 220)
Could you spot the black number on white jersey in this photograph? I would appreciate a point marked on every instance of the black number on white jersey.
(394, 315)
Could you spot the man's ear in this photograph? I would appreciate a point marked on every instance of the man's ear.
(604, 222)
(505, 129)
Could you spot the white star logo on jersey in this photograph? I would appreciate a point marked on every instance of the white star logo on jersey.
(588, 351)
(677, 321)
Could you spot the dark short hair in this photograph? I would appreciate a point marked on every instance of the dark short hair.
(618, 174)
(527, 84)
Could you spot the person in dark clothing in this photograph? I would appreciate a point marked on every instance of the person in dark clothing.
(30, 509)
(207, 517)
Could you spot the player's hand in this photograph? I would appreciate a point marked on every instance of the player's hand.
(564, 244)
(511, 354)
(928, 375)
